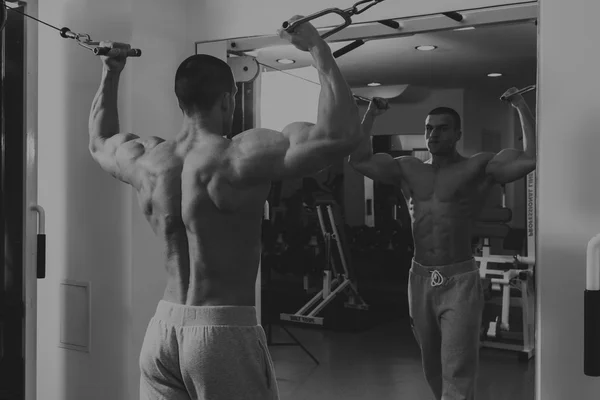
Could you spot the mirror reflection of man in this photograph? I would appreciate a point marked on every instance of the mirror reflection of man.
(446, 194)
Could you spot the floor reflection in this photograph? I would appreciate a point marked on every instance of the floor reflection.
(382, 363)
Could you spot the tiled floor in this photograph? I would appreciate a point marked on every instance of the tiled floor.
(382, 363)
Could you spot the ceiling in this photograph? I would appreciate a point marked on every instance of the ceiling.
(462, 58)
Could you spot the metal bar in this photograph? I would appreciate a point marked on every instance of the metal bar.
(342, 254)
(329, 298)
(505, 325)
(409, 26)
(315, 299)
(330, 260)
(499, 259)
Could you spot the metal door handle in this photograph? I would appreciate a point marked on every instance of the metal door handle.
(41, 240)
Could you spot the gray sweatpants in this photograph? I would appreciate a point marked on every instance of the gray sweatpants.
(206, 353)
(446, 306)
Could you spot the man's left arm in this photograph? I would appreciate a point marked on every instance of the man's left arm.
(510, 165)
(117, 153)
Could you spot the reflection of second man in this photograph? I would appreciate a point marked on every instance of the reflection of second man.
(446, 192)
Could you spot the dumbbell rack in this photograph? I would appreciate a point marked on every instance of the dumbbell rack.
(335, 282)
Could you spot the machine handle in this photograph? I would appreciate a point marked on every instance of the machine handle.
(521, 91)
(107, 51)
(342, 13)
(41, 241)
(41, 256)
(591, 310)
(591, 336)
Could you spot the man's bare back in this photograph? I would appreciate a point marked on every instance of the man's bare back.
(203, 193)
(204, 197)
(444, 203)
(210, 230)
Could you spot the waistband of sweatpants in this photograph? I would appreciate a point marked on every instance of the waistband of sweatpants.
(183, 315)
(445, 270)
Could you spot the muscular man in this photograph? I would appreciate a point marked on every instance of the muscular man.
(446, 194)
(204, 195)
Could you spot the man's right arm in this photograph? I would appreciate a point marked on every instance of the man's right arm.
(262, 155)
(380, 167)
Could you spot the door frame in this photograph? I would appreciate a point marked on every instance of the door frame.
(31, 197)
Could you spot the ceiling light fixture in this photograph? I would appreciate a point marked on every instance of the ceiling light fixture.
(494, 75)
(468, 28)
(426, 48)
(285, 61)
(374, 84)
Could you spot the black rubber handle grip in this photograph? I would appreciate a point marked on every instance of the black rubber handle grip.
(591, 335)
(390, 24)
(107, 51)
(41, 256)
(454, 15)
(348, 48)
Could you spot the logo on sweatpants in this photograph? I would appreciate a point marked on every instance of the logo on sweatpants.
(436, 279)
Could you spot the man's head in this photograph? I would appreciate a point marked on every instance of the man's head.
(442, 131)
(205, 87)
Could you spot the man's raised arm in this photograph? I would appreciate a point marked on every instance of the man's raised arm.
(510, 165)
(380, 167)
(116, 152)
(260, 155)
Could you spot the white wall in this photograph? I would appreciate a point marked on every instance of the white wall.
(568, 191)
(88, 213)
(285, 99)
(95, 230)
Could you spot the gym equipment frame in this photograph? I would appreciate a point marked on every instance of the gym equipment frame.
(335, 282)
(520, 276)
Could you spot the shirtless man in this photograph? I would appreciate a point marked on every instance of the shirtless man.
(204, 196)
(446, 193)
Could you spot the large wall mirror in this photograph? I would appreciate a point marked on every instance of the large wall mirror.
(338, 246)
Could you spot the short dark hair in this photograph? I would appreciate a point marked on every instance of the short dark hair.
(448, 111)
(200, 80)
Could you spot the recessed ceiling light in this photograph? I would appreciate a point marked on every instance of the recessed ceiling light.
(494, 75)
(374, 84)
(468, 28)
(285, 61)
(426, 48)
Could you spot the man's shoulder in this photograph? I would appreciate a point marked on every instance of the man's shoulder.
(480, 160)
(410, 164)
(481, 156)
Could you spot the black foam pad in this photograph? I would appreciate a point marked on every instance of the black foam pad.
(487, 230)
(498, 214)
